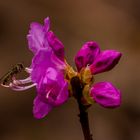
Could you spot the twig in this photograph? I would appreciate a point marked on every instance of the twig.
(77, 91)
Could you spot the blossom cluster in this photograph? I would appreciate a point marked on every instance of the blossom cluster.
(50, 73)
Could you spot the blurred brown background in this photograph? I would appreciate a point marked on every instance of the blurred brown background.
(115, 24)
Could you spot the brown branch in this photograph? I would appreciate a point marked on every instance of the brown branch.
(77, 88)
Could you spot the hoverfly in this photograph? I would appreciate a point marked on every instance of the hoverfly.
(11, 73)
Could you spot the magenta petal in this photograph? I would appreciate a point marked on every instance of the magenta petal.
(56, 45)
(105, 94)
(63, 95)
(87, 54)
(47, 24)
(53, 88)
(40, 62)
(44, 59)
(40, 108)
(48, 81)
(105, 61)
(35, 37)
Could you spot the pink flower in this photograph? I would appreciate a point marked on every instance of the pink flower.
(46, 71)
(98, 61)
(50, 73)
(91, 58)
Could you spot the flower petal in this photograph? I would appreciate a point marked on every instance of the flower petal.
(40, 62)
(36, 35)
(47, 24)
(47, 81)
(44, 59)
(56, 45)
(87, 54)
(105, 94)
(41, 109)
(105, 61)
(52, 91)
(63, 95)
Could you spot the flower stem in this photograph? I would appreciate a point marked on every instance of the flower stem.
(77, 88)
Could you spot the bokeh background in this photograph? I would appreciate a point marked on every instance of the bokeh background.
(114, 24)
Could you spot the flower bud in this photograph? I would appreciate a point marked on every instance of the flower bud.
(105, 61)
(86, 54)
(106, 95)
